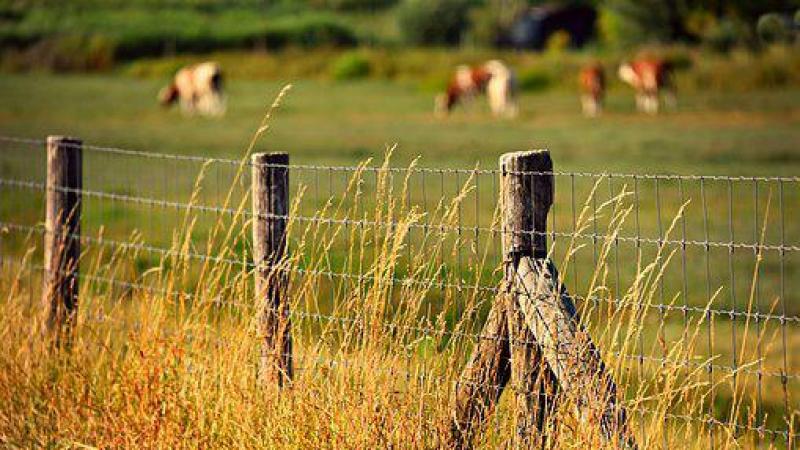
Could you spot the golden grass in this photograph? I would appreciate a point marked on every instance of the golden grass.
(173, 364)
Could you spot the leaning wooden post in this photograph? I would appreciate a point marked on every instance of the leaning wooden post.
(545, 306)
(507, 349)
(62, 244)
(270, 211)
(526, 196)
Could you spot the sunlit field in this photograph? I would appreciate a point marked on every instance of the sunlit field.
(168, 357)
(714, 132)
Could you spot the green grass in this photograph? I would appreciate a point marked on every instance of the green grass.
(754, 133)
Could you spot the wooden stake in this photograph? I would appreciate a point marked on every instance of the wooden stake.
(270, 209)
(548, 314)
(62, 245)
(507, 349)
(526, 195)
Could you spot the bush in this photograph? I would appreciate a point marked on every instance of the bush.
(310, 30)
(350, 66)
(433, 22)
(726, 34)
(490, 23)
(772, 28)
(141, 32)
(70, 53)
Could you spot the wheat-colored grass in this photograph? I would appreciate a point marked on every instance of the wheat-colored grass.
(173, 364)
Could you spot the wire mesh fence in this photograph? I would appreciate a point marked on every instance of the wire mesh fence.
(693, 275)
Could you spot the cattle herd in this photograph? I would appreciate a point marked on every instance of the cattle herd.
(198, 88)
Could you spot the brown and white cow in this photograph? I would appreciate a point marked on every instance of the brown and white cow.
(592, 80)
(465, 84)
(649, 78)
(197, 88)
(493, 79)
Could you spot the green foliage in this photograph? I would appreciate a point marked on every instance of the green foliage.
(638, 21)
(489, 22)
(726, 34)
(353, 5)
(433, 22)
(137, 32)
(772, 28)
(70, 53)
(350, 66)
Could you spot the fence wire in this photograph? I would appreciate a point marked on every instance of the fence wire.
(726, 250)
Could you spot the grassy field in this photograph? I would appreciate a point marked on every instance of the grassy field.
(752, 133)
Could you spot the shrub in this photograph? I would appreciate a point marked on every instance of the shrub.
(68, 53)
(433, 22)
(350, 66)
(490, 23)
(726, 34)
(310, 30)
(558, 42)
(772, 28)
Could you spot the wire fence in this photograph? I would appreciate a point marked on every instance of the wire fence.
(725, 252)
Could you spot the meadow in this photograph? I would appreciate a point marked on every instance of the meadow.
(191, 385)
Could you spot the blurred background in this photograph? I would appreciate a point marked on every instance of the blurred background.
(366, 73)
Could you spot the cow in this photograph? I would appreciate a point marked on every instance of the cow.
(592, 80)
(649, 78)
(501, 90)
(197, 88)
(465, 84)
(493, 79)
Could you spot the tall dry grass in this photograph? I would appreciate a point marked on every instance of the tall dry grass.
(170, 361)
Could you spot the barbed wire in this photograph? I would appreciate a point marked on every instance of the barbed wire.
(438, 332)
(401, 281)
(423, 374)
(435, 228)
(445, 280)
(230, 161)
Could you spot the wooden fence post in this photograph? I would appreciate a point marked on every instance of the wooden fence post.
(526, 196)
(533, 338)
(62, 244)
(507, 350)
(270, 218)
(548, 312)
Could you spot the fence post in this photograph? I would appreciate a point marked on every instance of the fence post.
(270, 210)
(62, 245)
(548, 312)
(526, 197)
(507, 350)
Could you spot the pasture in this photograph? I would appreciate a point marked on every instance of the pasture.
(342, 124)
(712, 133)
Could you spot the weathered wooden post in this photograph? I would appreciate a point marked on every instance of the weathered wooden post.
(533, 337)
(544, 304)
(526, 196)
(270, 211)
(62, 244)
(507, 350)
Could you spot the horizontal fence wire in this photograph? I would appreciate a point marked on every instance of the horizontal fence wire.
(726, 250)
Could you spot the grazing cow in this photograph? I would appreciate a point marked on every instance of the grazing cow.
(466, 84)
(197, 88)
(501, 90)
(649, 78)
(493, 78)
(593, 89)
